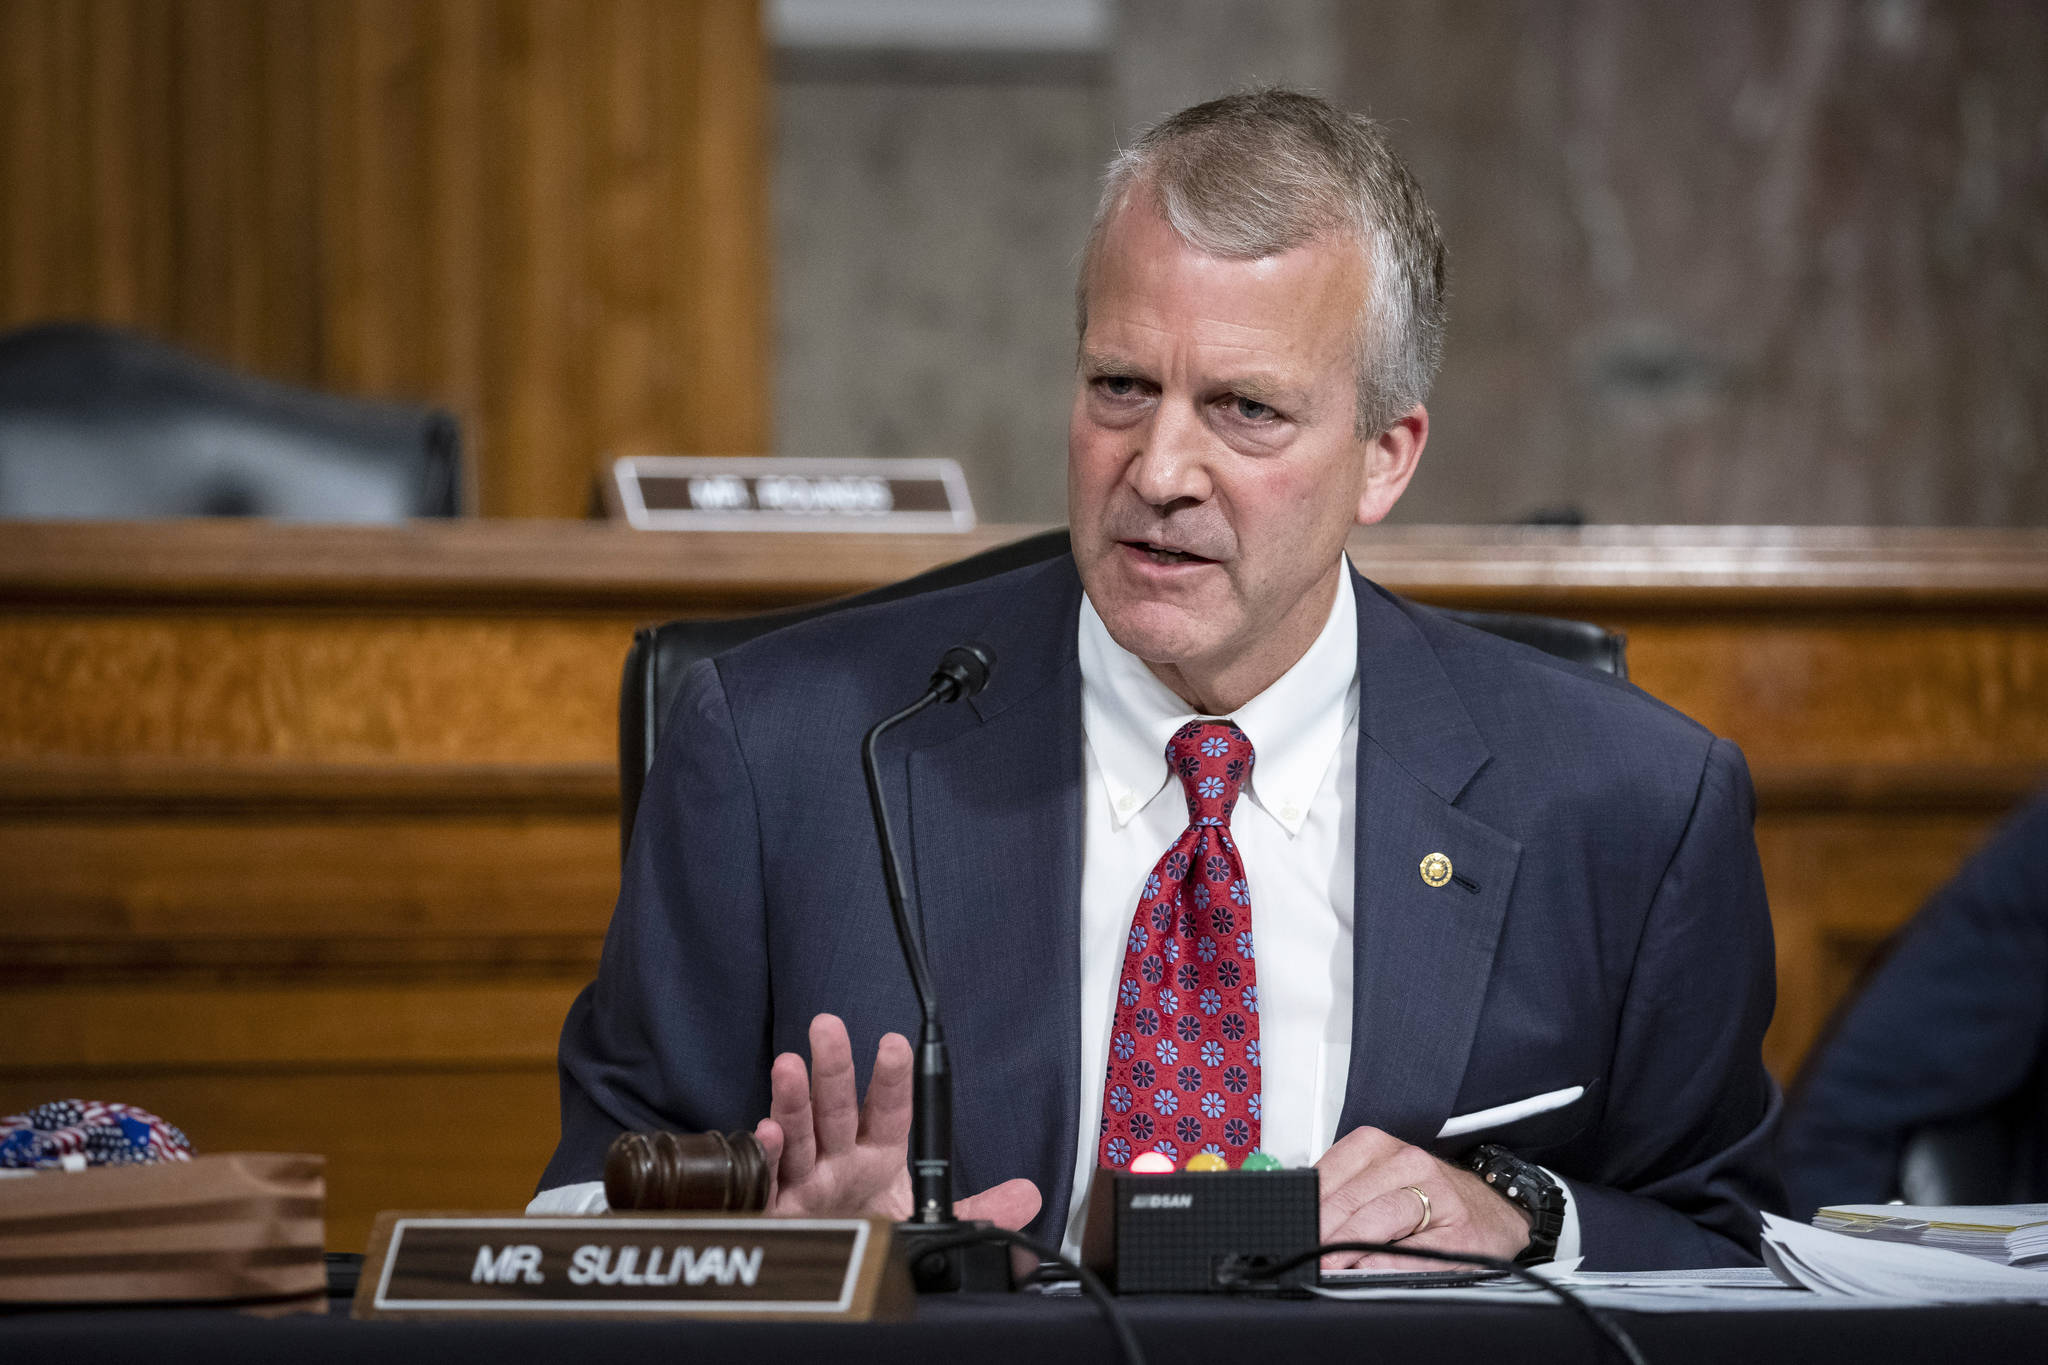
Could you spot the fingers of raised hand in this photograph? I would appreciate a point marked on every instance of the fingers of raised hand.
(769, 1134)
(836, 1155)
(835, 1095)
(789, 1108)
(885, 1114)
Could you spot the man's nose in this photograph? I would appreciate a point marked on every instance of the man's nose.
(1171, 466)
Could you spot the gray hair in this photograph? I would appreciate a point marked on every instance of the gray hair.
(1260, 172)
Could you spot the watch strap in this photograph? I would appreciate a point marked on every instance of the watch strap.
(1530, 1188)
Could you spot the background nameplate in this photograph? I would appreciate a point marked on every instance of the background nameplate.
(736, 493)
(627, 1265)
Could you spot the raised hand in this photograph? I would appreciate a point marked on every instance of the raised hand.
(830, 1155)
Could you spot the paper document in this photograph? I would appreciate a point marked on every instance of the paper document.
(1868, 1268)
(2011, 1234)
(1637, 1291)
(1732, 1277)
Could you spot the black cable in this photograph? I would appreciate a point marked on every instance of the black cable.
(1229, 1277)
(1091, 1283)
(1233, 1277)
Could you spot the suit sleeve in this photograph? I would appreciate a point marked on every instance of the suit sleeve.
(1951, 1024)
(674, 1033)
(1687, 1138)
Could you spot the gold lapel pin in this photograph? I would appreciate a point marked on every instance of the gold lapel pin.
(1436, 869)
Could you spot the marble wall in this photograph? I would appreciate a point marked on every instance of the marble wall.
(928, 224)
(1755, 261)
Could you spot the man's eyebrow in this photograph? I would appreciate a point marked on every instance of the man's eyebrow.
(1106, 366)
(1259, 388)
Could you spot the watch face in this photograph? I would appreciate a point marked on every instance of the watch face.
(1529, 1187)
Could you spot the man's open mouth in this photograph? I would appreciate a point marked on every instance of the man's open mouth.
(1161, 554)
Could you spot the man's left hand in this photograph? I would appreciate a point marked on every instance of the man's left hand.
(1370, 1179)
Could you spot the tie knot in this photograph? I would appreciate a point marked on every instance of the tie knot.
(1212, 758)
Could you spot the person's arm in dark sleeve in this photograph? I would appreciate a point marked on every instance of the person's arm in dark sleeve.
(1686, 1156)
(674, 1033)
(1950, 1024)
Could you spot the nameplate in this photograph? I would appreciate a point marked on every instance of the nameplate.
(630, 1265)
(729, 493)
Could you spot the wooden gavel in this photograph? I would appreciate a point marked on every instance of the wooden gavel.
(715, 1172)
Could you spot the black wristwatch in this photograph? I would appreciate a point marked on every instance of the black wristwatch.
(1529, 1188)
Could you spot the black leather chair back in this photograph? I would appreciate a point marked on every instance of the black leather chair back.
(96, 422)
(1995, 1157)
(1580, 641)
(661, 654)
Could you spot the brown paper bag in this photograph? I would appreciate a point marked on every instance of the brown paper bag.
(240, 1225)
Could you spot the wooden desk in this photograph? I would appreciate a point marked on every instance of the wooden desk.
(308, 835)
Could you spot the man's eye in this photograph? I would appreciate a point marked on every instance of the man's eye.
(1251, 410)
(1117, 385)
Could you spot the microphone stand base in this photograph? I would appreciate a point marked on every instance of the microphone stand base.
(940, 1265)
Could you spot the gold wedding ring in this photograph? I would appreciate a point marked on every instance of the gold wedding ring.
(1422, 1226)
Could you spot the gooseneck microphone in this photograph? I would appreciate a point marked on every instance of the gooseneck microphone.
(943, 1253)
(962, 672)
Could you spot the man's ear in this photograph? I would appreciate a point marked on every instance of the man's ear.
(1390, 460)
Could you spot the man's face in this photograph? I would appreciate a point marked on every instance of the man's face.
(1212, 467)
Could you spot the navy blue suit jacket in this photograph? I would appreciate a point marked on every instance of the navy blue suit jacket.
(1952, 1024)
(1611, 929)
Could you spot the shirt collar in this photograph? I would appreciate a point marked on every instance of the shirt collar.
(1295, 725)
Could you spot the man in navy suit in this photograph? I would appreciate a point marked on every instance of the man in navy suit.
(1951, 1028)
(1496, 898)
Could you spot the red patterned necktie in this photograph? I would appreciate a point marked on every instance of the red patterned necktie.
(1184, 1048)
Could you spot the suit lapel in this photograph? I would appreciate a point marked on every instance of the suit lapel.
(995, 823)
(1424, 954)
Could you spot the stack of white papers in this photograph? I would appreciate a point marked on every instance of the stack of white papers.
(1643, 1291)
(1872, 1268)
(2010, 1234)
(2028, 1244)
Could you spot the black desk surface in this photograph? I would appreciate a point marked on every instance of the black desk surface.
(1029, 1330)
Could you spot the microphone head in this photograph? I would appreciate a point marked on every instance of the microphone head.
(963, 671)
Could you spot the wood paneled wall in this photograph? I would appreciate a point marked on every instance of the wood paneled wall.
(547, 215)
(308, 836)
